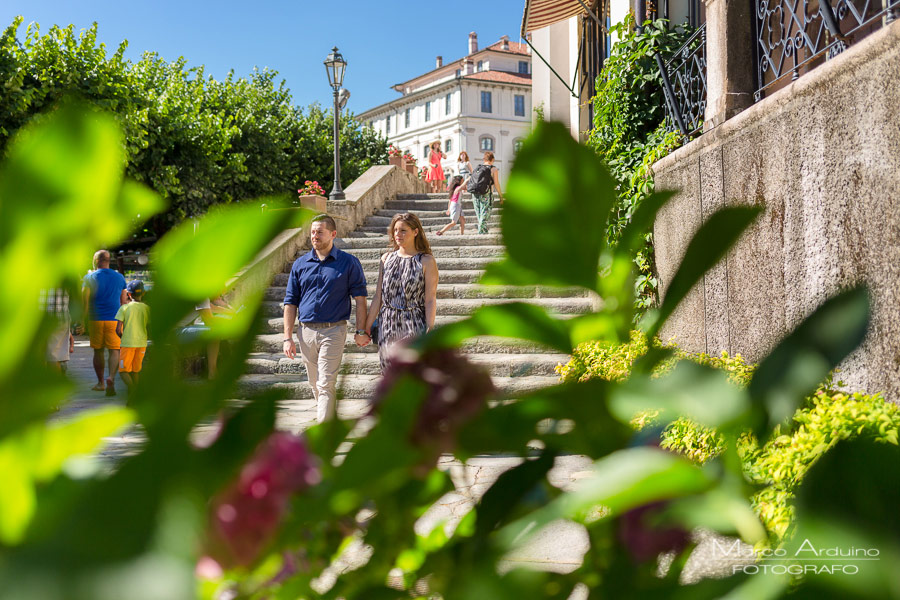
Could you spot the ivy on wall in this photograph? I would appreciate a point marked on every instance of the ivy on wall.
(628, 130)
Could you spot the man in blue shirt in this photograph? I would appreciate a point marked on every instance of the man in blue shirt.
(319, 289)
(104, 291)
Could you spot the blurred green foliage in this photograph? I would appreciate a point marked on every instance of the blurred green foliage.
(141, 530)
(194, 140)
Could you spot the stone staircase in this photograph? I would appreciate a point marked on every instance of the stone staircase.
(515, 366)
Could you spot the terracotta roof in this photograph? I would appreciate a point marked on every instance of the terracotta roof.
(501, 77)
(514, 47)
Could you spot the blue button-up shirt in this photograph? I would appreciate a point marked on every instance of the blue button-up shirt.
(321, 289)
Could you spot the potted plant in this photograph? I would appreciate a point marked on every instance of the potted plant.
(410, 162)
(395, 157)
(311, 195)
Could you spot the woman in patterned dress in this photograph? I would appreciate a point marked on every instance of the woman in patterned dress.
(405, 301)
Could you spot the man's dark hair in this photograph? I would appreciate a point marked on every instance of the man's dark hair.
(329, 222)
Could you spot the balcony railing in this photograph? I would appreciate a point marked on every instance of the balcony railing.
(684, 83)
(794, 36)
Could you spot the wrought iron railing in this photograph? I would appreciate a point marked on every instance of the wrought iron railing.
(793, 36)
(684, 84)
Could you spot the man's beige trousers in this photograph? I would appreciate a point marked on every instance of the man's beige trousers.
(321, 349)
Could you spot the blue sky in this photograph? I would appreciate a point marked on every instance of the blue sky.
(383, 42)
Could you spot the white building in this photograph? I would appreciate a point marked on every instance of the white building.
(478, 103)
(571, 42)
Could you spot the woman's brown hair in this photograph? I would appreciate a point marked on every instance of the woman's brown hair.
(412, 221)
(461, 156)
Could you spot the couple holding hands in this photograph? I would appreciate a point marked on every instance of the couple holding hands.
(322, 283)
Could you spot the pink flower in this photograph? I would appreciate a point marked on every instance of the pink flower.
(457, 390)
(245, 516)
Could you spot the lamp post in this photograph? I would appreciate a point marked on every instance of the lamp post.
(335, 65)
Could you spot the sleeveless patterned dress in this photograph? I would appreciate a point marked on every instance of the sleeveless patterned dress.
(402, 312)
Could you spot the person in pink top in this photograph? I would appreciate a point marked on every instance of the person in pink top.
(454, 207)
(435, 174)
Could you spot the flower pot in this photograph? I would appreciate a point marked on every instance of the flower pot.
(314, 202)
(395, 161)
(411, 167)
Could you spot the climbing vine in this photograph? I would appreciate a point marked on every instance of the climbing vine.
(628, 131)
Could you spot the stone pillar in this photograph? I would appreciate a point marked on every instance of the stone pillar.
(729, 60)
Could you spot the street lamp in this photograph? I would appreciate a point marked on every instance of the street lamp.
(335, 65)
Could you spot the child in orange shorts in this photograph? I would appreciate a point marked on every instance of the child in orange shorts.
(132, 320)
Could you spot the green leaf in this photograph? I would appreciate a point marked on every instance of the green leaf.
(508, 490)
(700, 393)
(707, 247)
(555, 181)
(196, 262)
(38, 454)
(513, 320)
(621, 481)
(847, 502)
(804, 358)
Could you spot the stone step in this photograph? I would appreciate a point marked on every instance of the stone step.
(363, 386)
(469, 290)
(427, 222)
(439, 202)
(272, 343)
(466, 306)
(275, 324)
(406, 197)
(367, 363)
(439, 252)
(468, 210)
(444, 276)
(451, 238)
(451, 264)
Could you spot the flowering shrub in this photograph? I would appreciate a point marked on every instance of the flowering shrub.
(394, 151)
(311, 188)
(409, 158)
(423, 172)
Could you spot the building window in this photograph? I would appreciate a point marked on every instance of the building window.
(486, 102)
(387, 126)
(448, 103)
(406, 119)
(520, 105)
(371, 124)
(458, 72)
(448, 146)
(523, 67)
(428, 111)
(480, 65)
(486, 143)
(517, 145)
(427, 150)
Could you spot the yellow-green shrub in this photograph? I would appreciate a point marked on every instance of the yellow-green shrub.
(827, 417)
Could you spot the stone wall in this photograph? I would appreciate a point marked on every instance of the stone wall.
(368, 194)
(823, 157)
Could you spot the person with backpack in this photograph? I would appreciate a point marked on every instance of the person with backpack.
(485, 177)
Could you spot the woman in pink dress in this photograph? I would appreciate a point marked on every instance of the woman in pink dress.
(435, 174)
